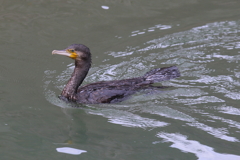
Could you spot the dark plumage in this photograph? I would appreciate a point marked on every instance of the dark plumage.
(105, 91)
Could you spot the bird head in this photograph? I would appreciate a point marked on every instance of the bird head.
(75, 51)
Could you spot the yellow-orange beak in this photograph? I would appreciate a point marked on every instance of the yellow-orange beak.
(72, 55)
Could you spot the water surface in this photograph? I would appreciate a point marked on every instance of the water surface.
(197, 118)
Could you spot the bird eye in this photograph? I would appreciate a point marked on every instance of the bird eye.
(72, 50)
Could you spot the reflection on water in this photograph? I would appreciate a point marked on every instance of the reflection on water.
(151, 29)
(128, 119)
(206, 94)
(69, 150)
(203, 152)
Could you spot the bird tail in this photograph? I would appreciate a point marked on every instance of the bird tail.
(162, 74)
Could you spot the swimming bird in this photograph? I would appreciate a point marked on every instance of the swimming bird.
(105, 91)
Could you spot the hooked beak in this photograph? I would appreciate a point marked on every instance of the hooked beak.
(72, 55)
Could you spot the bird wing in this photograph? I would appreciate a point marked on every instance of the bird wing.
(108, 91)
(106, 94)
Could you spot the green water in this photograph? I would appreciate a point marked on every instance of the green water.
(197, 118)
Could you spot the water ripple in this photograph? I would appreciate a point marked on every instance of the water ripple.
(205, 95)
(203, 152)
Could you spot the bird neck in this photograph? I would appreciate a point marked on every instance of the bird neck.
(80, 72)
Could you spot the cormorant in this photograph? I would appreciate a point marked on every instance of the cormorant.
(105, 91)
